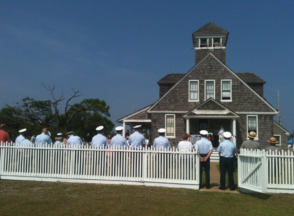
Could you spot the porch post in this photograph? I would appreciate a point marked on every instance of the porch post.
(124, 128)
(188, 126)
(234, 131)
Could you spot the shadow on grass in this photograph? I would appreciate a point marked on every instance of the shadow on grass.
(258, 195)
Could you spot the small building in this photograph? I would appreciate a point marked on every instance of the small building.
(210, 94)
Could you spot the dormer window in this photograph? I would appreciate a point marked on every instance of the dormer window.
(203, 42)
(216, 42)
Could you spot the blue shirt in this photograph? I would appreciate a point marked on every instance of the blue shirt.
(24, 143)
(99, 141)
(203, 145)
(59, 144)
(161, 143)
(74, 141)
(118, 141)
(136, 140)
(227, 149)
(43, 139)
(19, 139)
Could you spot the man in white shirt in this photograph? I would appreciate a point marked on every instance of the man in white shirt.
(185, 159)
(76, 142)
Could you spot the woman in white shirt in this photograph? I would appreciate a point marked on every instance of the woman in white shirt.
(185, 145)
(185, 160)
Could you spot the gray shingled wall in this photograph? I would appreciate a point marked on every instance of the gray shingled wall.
(284, 138)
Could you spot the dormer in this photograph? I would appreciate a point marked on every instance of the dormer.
(210, 38)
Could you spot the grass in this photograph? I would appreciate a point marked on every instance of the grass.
(44, 198)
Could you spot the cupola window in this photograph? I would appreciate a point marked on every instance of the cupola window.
(203, 42)
(216, 42)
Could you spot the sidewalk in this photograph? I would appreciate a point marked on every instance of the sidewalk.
(215, 180)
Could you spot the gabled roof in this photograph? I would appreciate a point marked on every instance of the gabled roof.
(210, 29)
(281, 127)
(140, 114)
(211, 107)
(251, 78)
(172, 78)
(233, 73)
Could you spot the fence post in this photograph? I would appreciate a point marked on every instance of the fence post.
(198, 170)
(1, 160)
(264, 178)
(72, 161)
(144, 164)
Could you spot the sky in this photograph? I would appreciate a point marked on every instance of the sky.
(117, 50)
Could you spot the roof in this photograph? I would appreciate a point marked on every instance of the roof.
(250, 78)
(140, 114)
(172, 78)
(210, 29)
(281, 127)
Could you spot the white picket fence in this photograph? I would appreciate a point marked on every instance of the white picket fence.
(153, 167)
(266, 172)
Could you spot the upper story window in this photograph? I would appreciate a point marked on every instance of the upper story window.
(226, 90)
(278, 137)
(209, 89)
(203, 42)
(216, 42)
(170, 125)
(193, 90)
(252, 124)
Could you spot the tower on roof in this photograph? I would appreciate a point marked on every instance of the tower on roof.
(210, 38)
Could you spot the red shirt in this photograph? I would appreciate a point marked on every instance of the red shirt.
(4, 136)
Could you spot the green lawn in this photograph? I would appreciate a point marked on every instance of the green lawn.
(42, 198)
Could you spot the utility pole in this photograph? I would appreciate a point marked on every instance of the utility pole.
(280, 122)
(133, 108)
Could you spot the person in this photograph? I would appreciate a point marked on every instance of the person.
(137, 141)
(273, 148)
(59, 143)
(33, 138)
(250, 144)
(161, 143)
(185, 159)
(273, 169)
(109, 139)
(118, 142)
(4, 136)
(99, 140)
(127, 139)
(220, 133)
(127, 134)
(76, 142)
(20, 138)
(25, 157)
(146, 140)
(204, 148)
(227, 150)
(43, 139)
(87, 139)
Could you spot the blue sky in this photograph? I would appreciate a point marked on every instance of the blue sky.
(118, 50)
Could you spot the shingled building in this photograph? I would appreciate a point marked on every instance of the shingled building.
(210, 95)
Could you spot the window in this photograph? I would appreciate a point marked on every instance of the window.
(170, 125)
(209, 89)
(278, 137)
(216, 42)
(193, 90)
(252, 124)
(226, 91)
(203, 42)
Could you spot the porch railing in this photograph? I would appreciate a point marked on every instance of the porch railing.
(147, 166)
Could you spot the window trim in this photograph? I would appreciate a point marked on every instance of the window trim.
(189, 99)
(174, 136)
(221, 91)
(279, 135)
(205, 89)
(256, 126)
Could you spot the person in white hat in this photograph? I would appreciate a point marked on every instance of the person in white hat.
(43, 139)
(251, 144)
(161, 142)
(118, 141)
(227, 150)
(59, 141)
(73, 140)
(136, 139)
(20, 138)
(204, 148)
(99, 140)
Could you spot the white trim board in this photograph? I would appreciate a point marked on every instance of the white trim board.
(282, 128)
(137, 120)
(256, 113)
(121, 119)
(210, 54)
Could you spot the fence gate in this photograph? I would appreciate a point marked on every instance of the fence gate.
(252, 173)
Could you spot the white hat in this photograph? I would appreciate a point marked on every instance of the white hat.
(22, 130)
(99, 128)
(137, 126)
(119, 128)
(49, 134)
(69, 133)
(59, 134)
(161, 130)
(203, 132)
(227, 134)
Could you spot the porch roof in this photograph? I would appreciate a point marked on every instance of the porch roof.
(140, 116)
(211, 109)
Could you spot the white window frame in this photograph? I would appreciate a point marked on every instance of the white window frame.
(205, 89)
(256, 126)
(207, 43)
(189, 98)
(174, 136)
(279, 135)
(221, 91)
